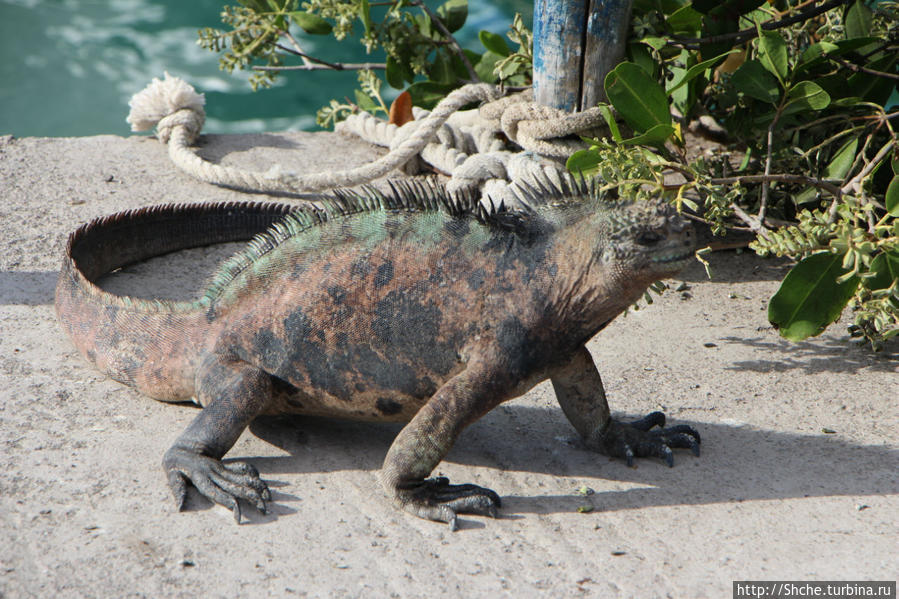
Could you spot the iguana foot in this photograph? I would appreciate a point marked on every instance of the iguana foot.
(639, 439)
(219, 482)
(436, 499)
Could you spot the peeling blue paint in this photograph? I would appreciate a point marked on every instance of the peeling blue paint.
(572, 50)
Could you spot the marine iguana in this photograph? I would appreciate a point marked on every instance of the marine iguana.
(407, 305)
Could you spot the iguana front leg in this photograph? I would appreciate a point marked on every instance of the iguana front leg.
(423, 443)
(579, 391)
(233, 393)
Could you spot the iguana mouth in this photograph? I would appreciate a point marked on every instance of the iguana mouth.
(670, 258)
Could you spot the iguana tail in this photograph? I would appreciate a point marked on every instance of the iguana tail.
(152, 345)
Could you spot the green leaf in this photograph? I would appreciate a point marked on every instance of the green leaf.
(892, 196)
(837, 168)
(459, 67)
(847, 102)
(424, 25)
(656, 136)
(508, 69)
(856, 43)
(813, 54)
(772, 51)
(754, 18)
(656, 43)
(582, 162)
(685, 21)
(440, 70)
(810, 298)
(310, 23)
(606, 113)
(365, 16)
(494, 43)
(816, 50)
(427, 93)
(746, 159)
(255, 5)
(698, 69)
(809, 194)
(669, 6)
(756, 82)
(484, 67)
(680, 97)
(805, 96)
(640, 55)
(728, 8)
(858, 20)
(364, 101)
(885, 268)
(873, 88)
(717, 24)
(842, 160)
(395, 73)
(453, 14)
(636, 97)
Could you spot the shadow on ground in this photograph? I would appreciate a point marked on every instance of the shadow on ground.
(27, 287)
(729, 266)
(212, 148)
(829, 354)
(738, 463)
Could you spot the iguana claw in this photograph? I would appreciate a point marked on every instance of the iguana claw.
(640, 439)
(436, 499)
(219, 482)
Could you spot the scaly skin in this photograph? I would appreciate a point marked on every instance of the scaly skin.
(408, 306)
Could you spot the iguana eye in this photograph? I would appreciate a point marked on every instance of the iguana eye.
(648, 238)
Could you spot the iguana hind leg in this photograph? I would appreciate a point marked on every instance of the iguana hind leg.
(427, 438)
(233, 393)
(579, 391)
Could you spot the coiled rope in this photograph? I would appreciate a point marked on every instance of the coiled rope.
(506, 140)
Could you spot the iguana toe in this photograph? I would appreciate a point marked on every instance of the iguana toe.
(436, 499)
(178, 485)
(640, 439)
(221, 483)
(649, 421)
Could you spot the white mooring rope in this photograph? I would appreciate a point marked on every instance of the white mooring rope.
(506, 140)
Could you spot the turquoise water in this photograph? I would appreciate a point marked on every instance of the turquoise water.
(68, 67)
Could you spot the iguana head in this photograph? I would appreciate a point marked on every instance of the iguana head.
(632, 242)
(644, 239)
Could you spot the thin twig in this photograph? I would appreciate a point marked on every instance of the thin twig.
(747, 34)
(453, 44)
(887, 147)
(853, 183)
(754, 225)
(861, 154)
(830, 140)
(320, 65)
(704, 221)
(859, 69)
(797, 7)
(885, 45)
(763, 199)
(296, 45)
(336, 66)
(779, 178)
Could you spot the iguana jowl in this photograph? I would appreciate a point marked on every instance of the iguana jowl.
(407, 306)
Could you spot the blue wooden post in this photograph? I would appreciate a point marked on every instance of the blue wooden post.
(576, 42)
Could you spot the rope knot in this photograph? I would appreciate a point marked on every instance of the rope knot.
(167, 104)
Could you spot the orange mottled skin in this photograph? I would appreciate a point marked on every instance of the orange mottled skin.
(408, 306)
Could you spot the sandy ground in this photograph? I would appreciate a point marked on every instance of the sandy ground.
(86, 512)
